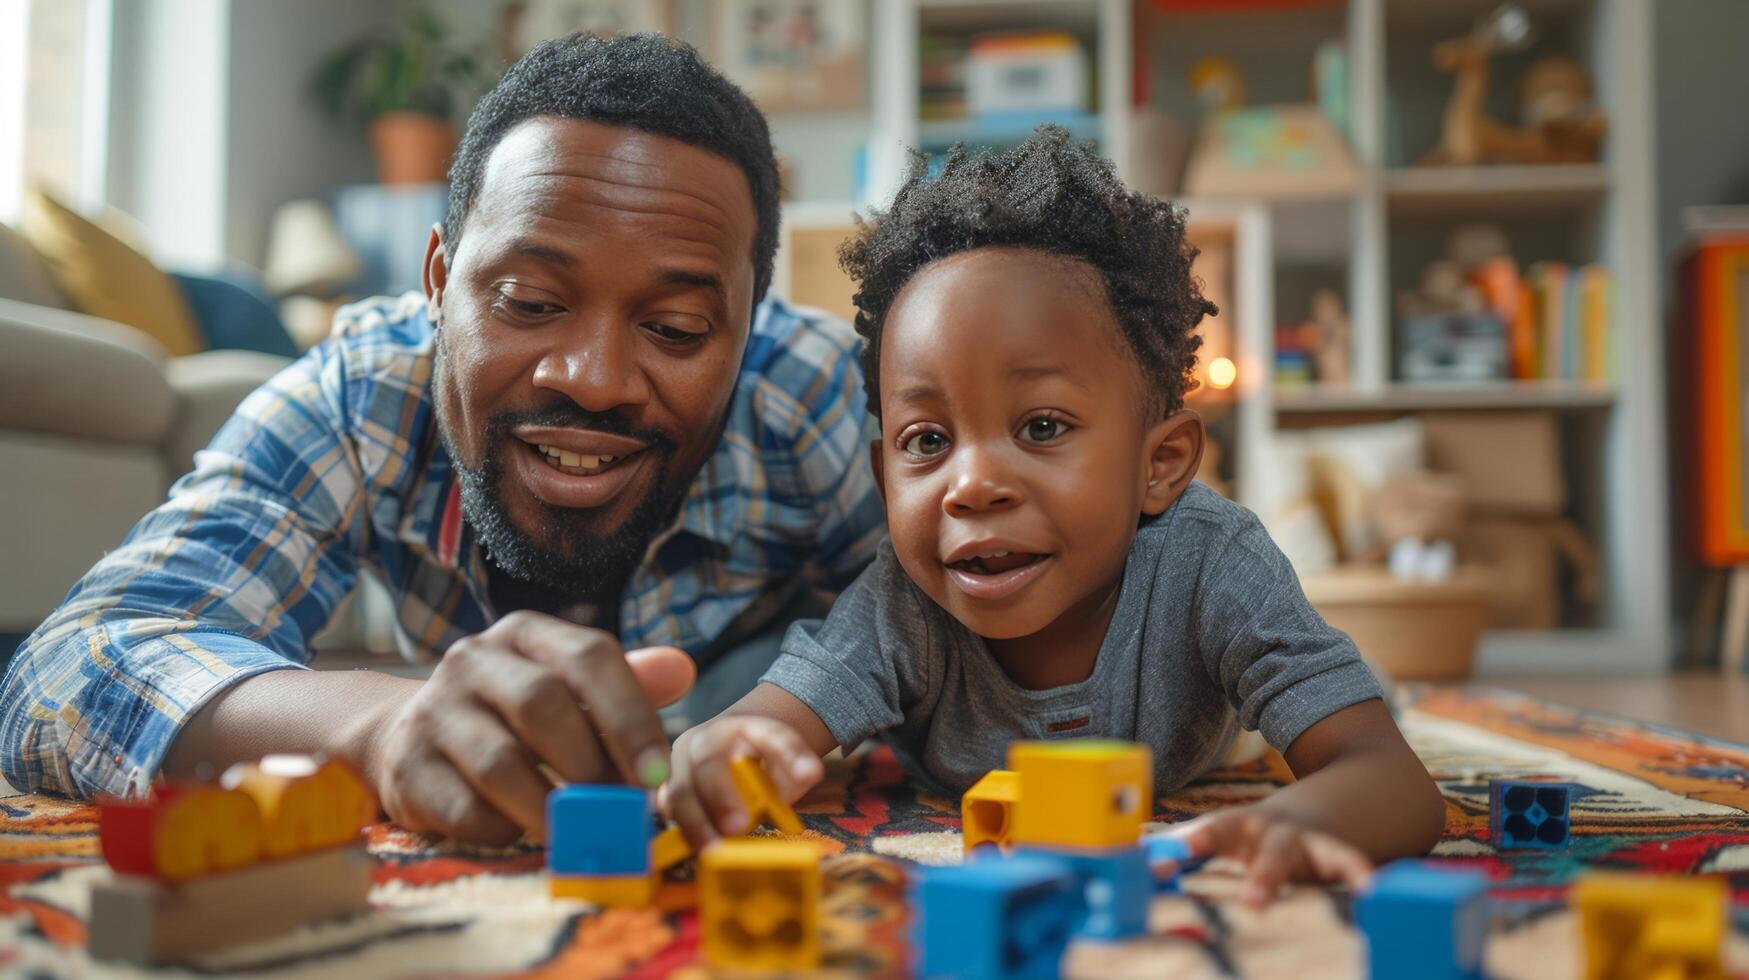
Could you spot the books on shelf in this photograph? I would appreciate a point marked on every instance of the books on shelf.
(1559, 318)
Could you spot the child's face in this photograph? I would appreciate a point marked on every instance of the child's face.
(1016, 450)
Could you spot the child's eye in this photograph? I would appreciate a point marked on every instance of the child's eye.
(1043, 429)
(926, 443)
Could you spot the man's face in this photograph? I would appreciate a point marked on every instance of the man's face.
(590, 327)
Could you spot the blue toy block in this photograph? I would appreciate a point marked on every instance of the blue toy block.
(1117, 888)
(599, 830)
(1423, 920)
(994, 917)
(1162, 848)
(1528, 815)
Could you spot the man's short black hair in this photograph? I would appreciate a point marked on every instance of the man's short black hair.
(1055, 195)
(645, 81)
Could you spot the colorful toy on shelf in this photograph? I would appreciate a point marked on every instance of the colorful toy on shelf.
(987, 810)
(995, 917)
(1559, 124)
(1636, 925)
(199, 866)
(1528, 815)
(1423, 920)
(602, 844)
(759, 904)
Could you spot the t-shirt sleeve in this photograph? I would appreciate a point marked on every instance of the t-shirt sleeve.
(1282, 667)
(869, 661)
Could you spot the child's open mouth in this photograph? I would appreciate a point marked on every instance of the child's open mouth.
(996, 574)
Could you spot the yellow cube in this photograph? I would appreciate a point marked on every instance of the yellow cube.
(759, 904)
(1638, 925)
(1088, 793)
(987, 810)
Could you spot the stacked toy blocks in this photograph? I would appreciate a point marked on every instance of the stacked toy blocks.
(1423, 921)
(759, 904)
(200, 865)
(996, 917)
(1529, 815)
(1635, 926)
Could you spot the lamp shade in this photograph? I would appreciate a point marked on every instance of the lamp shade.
(305, 253)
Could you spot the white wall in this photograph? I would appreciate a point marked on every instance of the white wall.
(1703, 134)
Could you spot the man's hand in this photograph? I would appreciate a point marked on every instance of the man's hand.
(702, 798)
(1274, 849)
(461, 757)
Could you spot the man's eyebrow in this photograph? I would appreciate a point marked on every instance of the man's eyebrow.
(540, 251)
(683, 277)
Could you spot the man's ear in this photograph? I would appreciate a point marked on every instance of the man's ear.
(434, 275)
(1174, 447)
(880, 476)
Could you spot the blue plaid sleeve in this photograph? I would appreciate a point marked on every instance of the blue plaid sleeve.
(230, 577)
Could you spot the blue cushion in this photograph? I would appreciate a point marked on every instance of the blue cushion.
(235, 314)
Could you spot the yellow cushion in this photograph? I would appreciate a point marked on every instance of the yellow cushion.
(106, 278)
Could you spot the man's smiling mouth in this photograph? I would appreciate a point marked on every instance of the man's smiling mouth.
(578, 464)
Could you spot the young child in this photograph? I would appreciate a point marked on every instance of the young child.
(1054, 570)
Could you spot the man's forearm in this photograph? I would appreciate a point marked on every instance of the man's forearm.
(336, 713)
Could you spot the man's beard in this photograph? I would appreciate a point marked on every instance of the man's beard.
(574, 562)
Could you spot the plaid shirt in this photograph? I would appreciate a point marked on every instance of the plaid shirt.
(335, 467)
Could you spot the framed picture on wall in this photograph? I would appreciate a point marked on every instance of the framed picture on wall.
(795, 55)
(528, 22)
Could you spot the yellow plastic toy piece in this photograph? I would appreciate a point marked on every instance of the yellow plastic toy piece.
(759, 794)
(1087, 793)
(608, 891)
(206, 829)
(759, 904)
(306, 804)
(1638, 925)
(987, 810)
(668, 849)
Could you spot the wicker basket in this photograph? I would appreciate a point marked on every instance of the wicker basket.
(1407, 630)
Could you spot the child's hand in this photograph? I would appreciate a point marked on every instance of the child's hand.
(701, 795)
(1274, 849)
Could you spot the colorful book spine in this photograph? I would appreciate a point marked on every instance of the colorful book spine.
(1549, 280)
(1595, 301)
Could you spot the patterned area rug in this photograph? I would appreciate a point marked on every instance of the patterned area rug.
(1651, 799)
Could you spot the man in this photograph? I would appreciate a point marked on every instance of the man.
(589, 418)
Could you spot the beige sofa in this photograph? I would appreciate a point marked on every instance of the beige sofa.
(95, 424)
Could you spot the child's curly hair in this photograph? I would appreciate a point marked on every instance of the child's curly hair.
(1052, 194)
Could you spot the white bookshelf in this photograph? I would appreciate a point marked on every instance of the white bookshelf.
(1373, 241)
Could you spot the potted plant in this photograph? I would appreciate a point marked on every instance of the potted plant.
(406, 88)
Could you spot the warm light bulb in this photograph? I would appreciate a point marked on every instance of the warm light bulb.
(1222, 372)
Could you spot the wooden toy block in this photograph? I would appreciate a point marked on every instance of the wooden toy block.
(306, 803)
(1639, 925)
(599, 831)
(759, 794)
(987, 810)
(994, 917)
(759, 904)
(1092, 793)
(1529, 815)
(145, 922)
(1423, 920)
(1117, 888)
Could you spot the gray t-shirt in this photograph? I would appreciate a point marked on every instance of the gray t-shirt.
(1211, 633)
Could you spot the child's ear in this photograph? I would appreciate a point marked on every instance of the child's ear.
(1174, 455)
(874, 463)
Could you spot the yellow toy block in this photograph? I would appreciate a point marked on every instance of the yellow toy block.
(760, 796)
(759, 904)
(306, 803)
(668, 849)
(987, 810)
(609, 891)
(204, 830)
(1638, 925)
(1087, 793)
